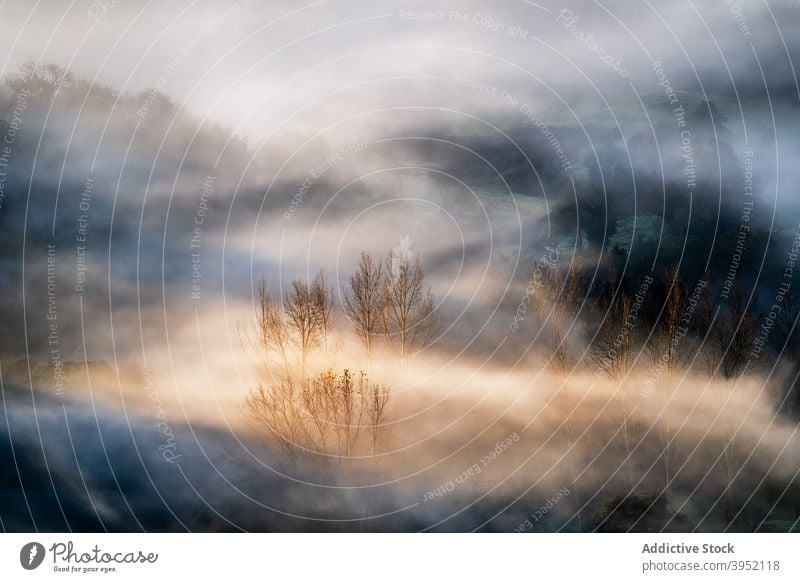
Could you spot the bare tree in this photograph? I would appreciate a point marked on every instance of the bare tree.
(279, 410)
(304, 318)
(705, 329)
(787, 340)
(322, 295)
(364, 304)
(730, 340)
(787, 337)
(611, 351)
(735, 333)
(345, 406)
(557, 301)
(408, 318)
(676, 303)
(378, 399)
(665, 341)
(271, 326)
(612, 345)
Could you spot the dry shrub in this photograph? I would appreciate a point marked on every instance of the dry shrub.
(333, 414)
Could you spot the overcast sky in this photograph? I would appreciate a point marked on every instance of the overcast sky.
(258, 66)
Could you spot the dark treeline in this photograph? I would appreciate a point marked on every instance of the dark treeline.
(665, 319)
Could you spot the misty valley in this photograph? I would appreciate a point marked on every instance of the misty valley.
(458, 296)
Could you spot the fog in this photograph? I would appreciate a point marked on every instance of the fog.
(159, 161)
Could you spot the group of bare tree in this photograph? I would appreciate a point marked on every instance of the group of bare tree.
(387, 303)
(676, 322)
(296, 326)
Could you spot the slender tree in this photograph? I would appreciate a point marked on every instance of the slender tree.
(278, 409)
(704, 327)
(612, 345)
(407, 317)
(322, 296)
(671, 331)
(611, 351)
(304, 318)
(668, 338)
(271, 326)
(787, 340)
(557, 301)
(364, 304)
(735, 333)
